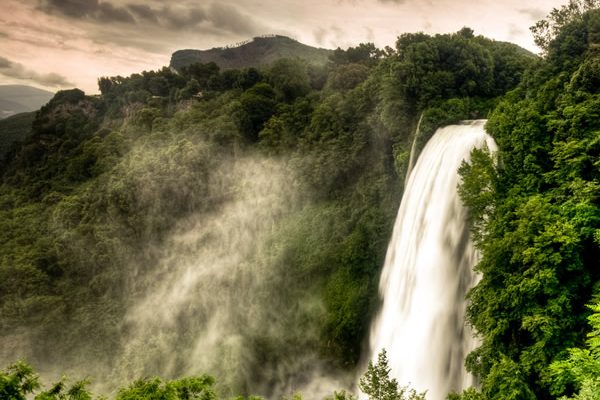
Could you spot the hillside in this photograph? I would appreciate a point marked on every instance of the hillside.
(15, 128)
(256, 52)
(16, 99)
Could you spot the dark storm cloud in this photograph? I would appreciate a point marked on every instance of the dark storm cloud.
(70, 8)
(220, 16)
(18, 71)
(107, 13)
(167, 16)
(90, 9)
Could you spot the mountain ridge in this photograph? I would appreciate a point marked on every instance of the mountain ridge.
(260, 50)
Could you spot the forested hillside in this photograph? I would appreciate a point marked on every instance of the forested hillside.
(234, 222)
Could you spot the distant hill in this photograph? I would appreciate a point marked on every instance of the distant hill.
(15, 99)
(252, 53)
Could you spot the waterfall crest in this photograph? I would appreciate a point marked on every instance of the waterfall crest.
(428, 270)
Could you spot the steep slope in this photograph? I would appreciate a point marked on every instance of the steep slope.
(256, 52)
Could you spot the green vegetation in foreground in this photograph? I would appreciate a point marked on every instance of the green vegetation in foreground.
(19, 381)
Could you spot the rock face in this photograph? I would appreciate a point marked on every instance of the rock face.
(252, 53)
(64, 106)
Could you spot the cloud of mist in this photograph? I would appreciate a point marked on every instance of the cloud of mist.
(218, 299)
(209, 291)
(203, 282)
(15, 70)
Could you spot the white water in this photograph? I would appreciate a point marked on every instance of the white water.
(428, 270)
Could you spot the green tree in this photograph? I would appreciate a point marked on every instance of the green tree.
(17, 381)
(289, 78)
(258, 105)
(580, 371)
(348, 76)
(364, 53)
(60, 391)
(468, 394)
(193, 388)
(378, 385)
(202, 73)
(342, 395)
(546, 30)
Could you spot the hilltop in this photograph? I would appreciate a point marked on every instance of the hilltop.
(252, 53)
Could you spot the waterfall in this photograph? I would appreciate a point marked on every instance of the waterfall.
(429, 269)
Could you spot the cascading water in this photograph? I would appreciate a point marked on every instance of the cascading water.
(429, 269)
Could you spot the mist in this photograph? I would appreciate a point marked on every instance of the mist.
(214, 295)
(217, 288)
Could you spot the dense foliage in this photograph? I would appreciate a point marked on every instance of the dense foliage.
(18, 381)
(535, 209)
(580, 371)
(90, 202)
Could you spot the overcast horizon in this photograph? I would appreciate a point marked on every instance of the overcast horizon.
(57, 44)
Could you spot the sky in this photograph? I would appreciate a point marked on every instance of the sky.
(60, 44)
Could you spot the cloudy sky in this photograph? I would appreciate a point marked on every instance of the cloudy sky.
(57, 44)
